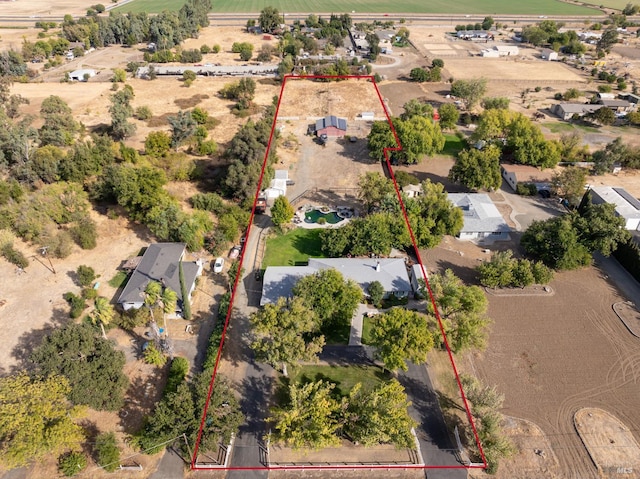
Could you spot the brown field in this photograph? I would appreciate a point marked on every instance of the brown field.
(554, 355)
(37, 8)
(345, 99)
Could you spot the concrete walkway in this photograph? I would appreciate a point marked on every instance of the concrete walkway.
(355, 336)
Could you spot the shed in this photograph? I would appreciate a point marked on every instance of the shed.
(332, 126)
(416, 276)
(514, 174)
(605, 96)
(548, 54)
(507, 50)
(82, 75)
(367, 115)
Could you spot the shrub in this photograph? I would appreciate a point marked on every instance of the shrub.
(85, 234)
(89, 293)
(604, 88)
(72, 463)
(107, 452)
(86, 275)
(14, 256)
(204, 49)
(119, 75)
(77, 304)
(526, 189)
(143, 113)
(153, 356)
(215, 49)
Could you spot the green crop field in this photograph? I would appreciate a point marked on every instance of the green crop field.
(529, 7)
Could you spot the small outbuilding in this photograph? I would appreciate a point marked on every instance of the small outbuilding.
(331, 126)
(82, 75)
(549, 55)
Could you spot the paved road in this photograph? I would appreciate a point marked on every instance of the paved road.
(171, 466)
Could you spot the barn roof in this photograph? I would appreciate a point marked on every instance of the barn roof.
(332, 120)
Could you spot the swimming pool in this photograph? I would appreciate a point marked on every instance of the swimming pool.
(313, 216)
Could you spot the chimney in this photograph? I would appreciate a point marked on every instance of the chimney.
(378, 267)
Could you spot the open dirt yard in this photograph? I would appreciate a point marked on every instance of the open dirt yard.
(553, 355)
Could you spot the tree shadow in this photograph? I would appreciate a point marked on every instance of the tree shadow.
(257, 399)
(467, 274)
(91, 432)
(30, 340)
(141, 395)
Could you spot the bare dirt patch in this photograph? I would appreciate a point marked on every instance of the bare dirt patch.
(554, 355)
(610, 443)
(510, 69)
(317, 99)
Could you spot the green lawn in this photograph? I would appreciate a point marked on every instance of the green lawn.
(295, 247)
(559, 127)
(345, 377)
(538, 7)
(367, 323)
(452, 145)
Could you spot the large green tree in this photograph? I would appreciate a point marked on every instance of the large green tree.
(418, 136)
(269, 19)
(281, 212)
(569, 183)
(121, 110)
(59, 127)
(90, 363)
(599, 227)
(470, 91)
(478, 169)
(449, 116)
(556, 243)
(401, 335)
(309, 419)
(282, 333)
(379, 416)
(332, 298)
(463, 311)
(36, 419)
(373, 187)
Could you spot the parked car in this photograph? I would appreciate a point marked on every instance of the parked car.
(218, 265)
(235, 252)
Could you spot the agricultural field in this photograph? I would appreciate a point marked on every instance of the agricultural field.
(546, 7)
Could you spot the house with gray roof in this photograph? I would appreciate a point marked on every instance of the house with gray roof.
(626, 205)
(160, 262)
(482, 220)
(567, 110)
(279, 281)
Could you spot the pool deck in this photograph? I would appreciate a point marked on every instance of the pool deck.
(299, 218)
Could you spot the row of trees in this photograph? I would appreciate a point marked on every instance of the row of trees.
(167, 29)
(503, 271)
(313, 417)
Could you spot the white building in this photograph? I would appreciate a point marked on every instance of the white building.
(627, 206)
(548, 54)
(82, 75)
(482, 220)
(500, 51)
(278, 186)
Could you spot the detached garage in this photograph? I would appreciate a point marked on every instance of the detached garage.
(331, 126)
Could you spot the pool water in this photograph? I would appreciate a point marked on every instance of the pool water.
(314, 215)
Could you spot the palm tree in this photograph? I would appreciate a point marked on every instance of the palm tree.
(169, 300)
(152, 294)
(103, 313)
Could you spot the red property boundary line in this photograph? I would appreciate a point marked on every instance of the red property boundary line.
(386, 151)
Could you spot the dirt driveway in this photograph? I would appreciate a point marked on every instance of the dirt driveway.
(555, 354)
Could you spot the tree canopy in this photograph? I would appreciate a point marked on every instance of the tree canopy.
(90, 363)
(281, 212)
(36, 419)
(418, 136)
(281, 331)
(463, 311)
(470, 91)
(478, 169)
(332, 298)
(401, 335)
